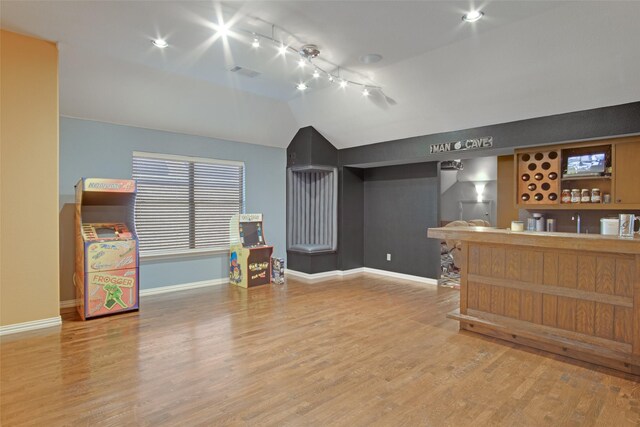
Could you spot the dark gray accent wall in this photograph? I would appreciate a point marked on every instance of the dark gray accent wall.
(588, 124)
(309, 147)
(384, 209)
(351, 226)
(400, 203)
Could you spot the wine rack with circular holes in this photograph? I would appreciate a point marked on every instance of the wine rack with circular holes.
(539, 177)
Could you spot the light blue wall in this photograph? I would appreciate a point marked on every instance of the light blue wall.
(96, 149)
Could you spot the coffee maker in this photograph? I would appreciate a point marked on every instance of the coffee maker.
(540, 224)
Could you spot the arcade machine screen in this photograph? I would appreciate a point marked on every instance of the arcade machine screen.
(251, 233)
(106, 232)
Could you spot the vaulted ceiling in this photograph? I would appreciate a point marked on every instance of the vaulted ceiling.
(523, 59)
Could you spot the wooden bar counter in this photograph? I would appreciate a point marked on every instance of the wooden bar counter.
(572, 294)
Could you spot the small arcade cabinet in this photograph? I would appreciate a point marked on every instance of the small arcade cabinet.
(250, 258)
(106, 277)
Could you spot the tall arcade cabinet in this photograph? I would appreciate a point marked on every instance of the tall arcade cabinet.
(107, 276)
(250, 256)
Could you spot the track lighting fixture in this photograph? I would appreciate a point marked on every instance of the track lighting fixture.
(309, 55)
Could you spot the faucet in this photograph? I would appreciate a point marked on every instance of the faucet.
(576, 217)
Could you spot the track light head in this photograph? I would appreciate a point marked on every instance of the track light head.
(309, 51)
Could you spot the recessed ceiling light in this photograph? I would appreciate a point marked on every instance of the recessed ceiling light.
(343, 84)
(316, 74)
(370, 58)
(161, 43)
(256, 42)
(365, 92)
(282, 49)
(223, 29)
(301, 86)
(330, 78)
(472, 16)
(302, 63)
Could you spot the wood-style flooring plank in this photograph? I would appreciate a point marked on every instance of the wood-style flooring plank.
(360, 351)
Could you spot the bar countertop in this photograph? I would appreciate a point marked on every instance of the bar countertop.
(575, 241)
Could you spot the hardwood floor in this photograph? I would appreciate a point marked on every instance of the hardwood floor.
(360, 351)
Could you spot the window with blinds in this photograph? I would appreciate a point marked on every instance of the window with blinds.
(184, 204)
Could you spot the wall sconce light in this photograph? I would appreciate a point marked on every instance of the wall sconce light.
(479, 190)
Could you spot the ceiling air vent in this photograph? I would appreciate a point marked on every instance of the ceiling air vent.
(244, 71)
(451, 165)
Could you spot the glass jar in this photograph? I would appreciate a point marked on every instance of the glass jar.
(585, 196)
(595, 195)
(575, 195)
(566, 196)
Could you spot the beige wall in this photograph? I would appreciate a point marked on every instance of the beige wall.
(28, 179)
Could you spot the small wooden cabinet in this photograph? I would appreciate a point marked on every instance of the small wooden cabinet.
(627, 172)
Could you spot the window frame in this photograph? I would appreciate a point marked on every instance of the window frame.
(191, 252)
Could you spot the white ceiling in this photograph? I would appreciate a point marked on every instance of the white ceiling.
(524, 59)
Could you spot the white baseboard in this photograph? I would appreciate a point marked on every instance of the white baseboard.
(425, 280)
(30, 326)
(325, 275)
(352, 271)
(163, 289)
(184, 286)
(316, 277)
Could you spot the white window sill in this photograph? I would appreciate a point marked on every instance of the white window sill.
(183, 253)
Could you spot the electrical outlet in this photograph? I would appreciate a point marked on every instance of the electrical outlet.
(388, 257)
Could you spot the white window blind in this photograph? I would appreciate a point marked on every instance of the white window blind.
(184, 204)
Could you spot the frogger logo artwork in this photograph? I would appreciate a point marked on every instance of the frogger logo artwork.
(113, 296)
(235, 273)
(114, 292)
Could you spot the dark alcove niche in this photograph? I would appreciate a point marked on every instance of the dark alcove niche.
(312, 209)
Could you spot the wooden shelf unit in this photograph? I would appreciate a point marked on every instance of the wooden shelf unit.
(585, 178)
(622, 155)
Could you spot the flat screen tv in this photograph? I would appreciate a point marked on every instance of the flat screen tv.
(588, 164)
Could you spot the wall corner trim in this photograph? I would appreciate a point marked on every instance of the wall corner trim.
(336, 274)
(30, 326)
